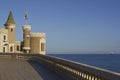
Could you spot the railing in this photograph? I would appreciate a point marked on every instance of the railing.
(76, 71)
(68, 69)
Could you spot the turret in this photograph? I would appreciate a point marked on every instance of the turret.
(26, 38)
(11, 26)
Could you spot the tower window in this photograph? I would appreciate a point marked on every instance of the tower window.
(42, 47)
(11, 30)
(17, 47)
(11, 49)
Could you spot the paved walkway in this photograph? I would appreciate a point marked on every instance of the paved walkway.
(23, 70)
(44, 72)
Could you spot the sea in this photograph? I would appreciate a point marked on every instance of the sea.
(106, 61)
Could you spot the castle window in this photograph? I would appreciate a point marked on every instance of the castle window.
(11, 49)
(4, 38)
(42, 47)
(11, 30)
(3, 49)
(17, 47)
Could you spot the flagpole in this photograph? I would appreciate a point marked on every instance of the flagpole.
(26, 17)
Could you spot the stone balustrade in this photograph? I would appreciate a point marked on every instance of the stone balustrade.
(76, 71)
(69, 70)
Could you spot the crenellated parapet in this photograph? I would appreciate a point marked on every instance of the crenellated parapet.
(26, 27)
(41, 35)
(2, 30)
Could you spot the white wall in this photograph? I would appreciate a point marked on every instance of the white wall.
(2, 41)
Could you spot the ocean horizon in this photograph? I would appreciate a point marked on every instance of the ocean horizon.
(106, 61)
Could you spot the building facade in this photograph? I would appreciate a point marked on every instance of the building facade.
(32, 43)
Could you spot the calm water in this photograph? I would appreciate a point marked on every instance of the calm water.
(106, 61)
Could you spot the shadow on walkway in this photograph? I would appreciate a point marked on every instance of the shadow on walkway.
(44, 72)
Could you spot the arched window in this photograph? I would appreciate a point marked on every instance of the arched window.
(11, 49)
(17, 47)
(3, 49)
(4, 38)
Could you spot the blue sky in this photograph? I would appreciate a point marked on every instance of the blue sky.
(77, 26)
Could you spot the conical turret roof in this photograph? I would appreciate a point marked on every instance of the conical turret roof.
(10, 19)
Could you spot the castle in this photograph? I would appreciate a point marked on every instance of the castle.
(33, 43)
